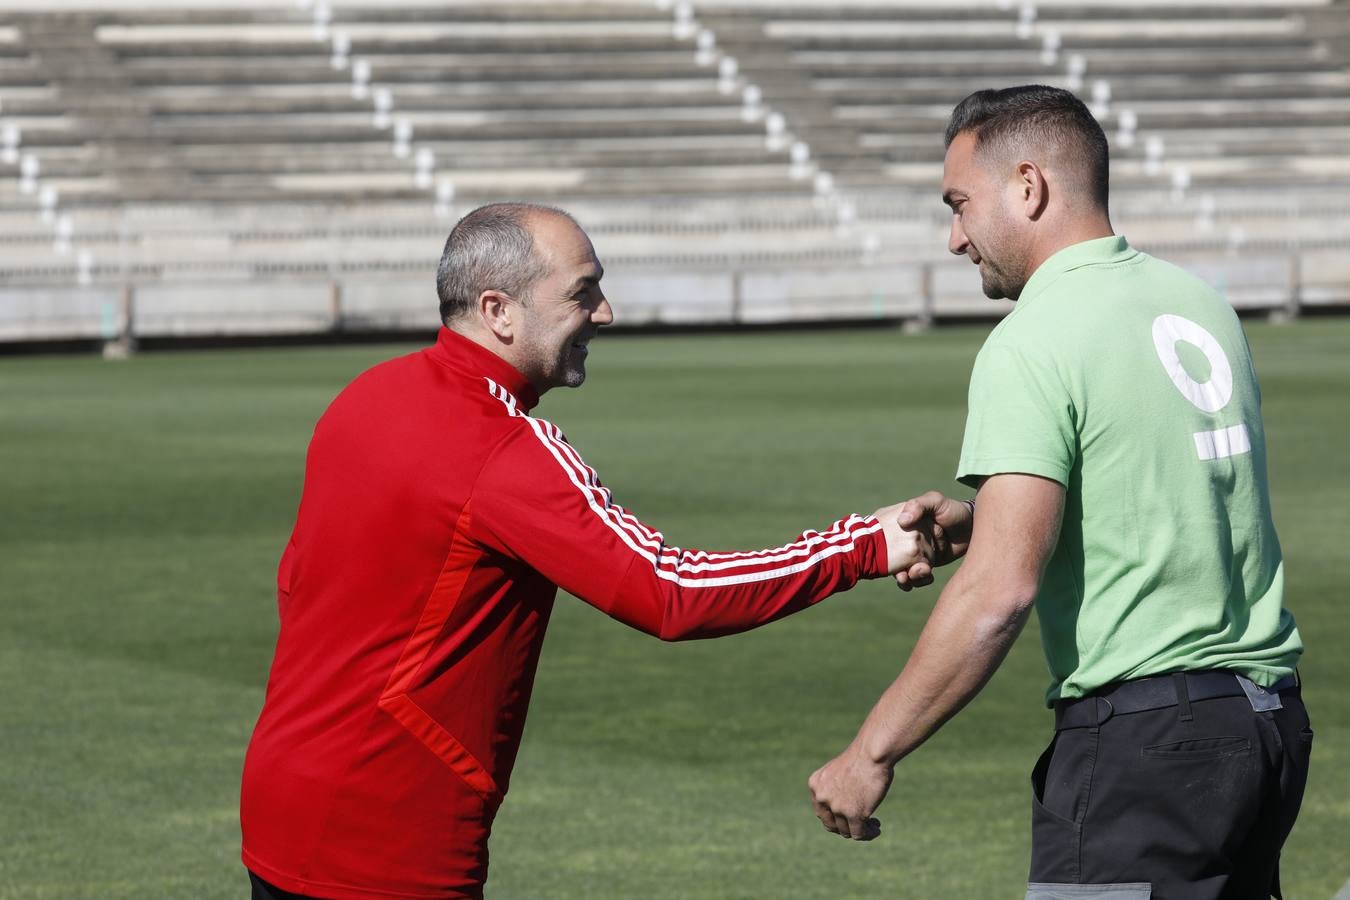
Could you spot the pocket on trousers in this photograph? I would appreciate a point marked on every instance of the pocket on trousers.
(1054, 838)
(1054, 843)
(1304, 747)
(1201, 749)
(1135, 890)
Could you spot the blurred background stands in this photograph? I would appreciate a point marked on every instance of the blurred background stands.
(262, 168)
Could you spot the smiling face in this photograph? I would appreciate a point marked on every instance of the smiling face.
(984, 226)
(566, 306)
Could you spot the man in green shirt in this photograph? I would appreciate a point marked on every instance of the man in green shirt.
(1115, 440)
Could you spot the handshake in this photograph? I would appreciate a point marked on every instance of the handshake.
(923, 533)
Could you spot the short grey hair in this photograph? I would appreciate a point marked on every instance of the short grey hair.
(490, 249)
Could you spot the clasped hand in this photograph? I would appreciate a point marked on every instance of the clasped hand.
(934, 528)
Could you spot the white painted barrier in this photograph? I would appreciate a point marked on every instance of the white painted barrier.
(235, 308)
(856, 292)
(672, 298)
(35, 314)
(1281, 283)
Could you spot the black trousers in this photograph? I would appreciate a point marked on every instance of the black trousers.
(263, 890)
(1188, 802)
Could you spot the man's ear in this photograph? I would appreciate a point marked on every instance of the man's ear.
(497, 312)
(1032, 189)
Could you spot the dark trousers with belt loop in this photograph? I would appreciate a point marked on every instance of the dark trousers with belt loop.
(1180, 787)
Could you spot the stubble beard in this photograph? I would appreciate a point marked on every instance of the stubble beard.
(573, 372)
(990, 285)
(998, 285)
(996, 278)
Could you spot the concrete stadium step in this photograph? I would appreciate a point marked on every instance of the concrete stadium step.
(641, 144)
(742, 214)
(802, 40)
(157, 72)
(1023, 64)
(1205, 173)
(1318, 140)
(377, 158)
(1310, 143)
(746, 219)
(614, 28)
(1178, 151)
(21, 74)
(43, 129)
(41, 101)
(245, 262)
(1247, 113)
(150, 159)
(447, 162)
(499, 96)
(177, 13)
(361, 187)
(674, 214)
(1127, 91)
(533, 125)
(1075, 31)
(319, 53)
(963, 10)
(241, 40)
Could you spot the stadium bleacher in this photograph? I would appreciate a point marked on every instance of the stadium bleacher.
(248, 167)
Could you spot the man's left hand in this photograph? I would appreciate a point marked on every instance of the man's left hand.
(846, 791)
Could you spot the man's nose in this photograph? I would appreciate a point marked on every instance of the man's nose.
(604, 313)
(956, 241)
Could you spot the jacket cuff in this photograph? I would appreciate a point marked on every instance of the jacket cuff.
(873, 550)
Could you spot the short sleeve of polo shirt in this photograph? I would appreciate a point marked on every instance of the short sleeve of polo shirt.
(1021, 416)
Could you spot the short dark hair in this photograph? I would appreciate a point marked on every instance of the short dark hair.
(491, 248)
(1034, 115)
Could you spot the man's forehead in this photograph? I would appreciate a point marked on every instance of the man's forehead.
(587, 273)
(960, 153)
(951, 183)
(566, 250)
(957, 165)
(562, 238)
(586, 263)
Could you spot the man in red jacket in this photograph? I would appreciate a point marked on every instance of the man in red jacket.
(437, 521)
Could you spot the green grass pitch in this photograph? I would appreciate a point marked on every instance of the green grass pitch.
(145, 504)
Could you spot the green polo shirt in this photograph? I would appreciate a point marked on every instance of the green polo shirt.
(1129, 381)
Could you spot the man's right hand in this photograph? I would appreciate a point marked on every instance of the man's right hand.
(906, 545)
(952, 522)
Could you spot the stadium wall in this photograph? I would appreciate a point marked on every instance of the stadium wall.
(1277, 282)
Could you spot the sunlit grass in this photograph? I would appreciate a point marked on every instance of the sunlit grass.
(146, 503)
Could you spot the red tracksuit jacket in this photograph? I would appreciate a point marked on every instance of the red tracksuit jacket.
(437, 521)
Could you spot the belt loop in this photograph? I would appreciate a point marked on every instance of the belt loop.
(1183, 697)
(1101, 711)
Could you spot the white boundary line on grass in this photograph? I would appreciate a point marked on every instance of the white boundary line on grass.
(1344, 892)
